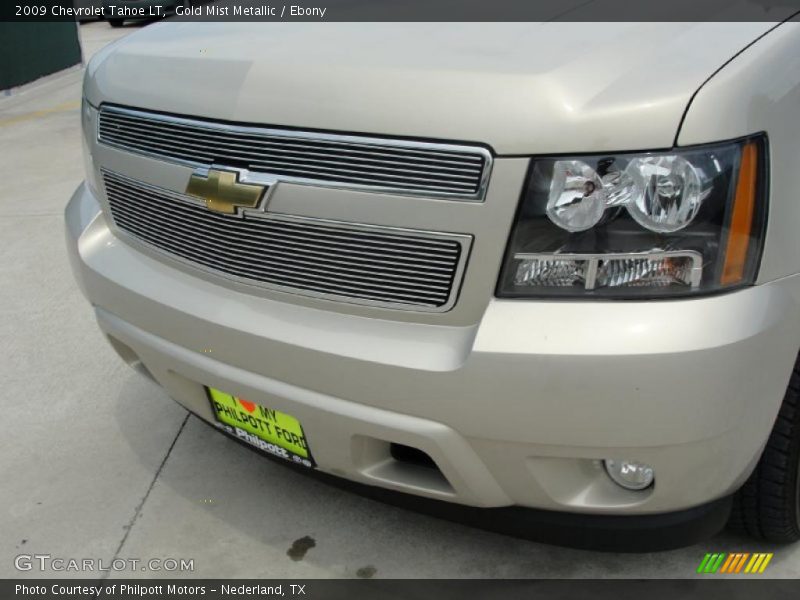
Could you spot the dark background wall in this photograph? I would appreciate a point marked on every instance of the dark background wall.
(31, 50)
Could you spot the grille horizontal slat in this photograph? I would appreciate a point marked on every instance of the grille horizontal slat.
(264, 260)
(358, 245)
(327, 159)
(237, 268)
(340, 174)
(145, 134)
(377, 265)
(257, 251)
(280, 137)
(220, 261)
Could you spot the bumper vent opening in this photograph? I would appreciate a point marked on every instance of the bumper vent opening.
(400, 466)
(411, 456)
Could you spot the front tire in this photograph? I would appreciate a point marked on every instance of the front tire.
(768, 505)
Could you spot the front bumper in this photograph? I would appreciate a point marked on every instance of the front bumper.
(516, 410)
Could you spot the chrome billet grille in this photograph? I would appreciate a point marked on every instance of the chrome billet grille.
(374, 265)
(396, 166)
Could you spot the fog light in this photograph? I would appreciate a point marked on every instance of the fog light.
(630, 474)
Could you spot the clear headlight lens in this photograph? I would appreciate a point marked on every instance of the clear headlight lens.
(577, 200)
(667, 192)
(680, 222)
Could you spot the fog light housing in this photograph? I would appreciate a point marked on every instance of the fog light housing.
(630, 474)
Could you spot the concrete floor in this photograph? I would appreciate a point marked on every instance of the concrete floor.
(97, 462)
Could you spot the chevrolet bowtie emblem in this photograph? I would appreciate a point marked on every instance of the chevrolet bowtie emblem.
(223, 192)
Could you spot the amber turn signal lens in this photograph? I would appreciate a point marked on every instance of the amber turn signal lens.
(741, 226)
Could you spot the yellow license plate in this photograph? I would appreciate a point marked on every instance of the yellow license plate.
(265, 428)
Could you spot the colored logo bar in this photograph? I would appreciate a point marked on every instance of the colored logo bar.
(735, 562)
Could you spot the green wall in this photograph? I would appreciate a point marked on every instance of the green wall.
(30, 50)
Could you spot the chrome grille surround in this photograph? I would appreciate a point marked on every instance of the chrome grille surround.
(397, 166)
(363, 264)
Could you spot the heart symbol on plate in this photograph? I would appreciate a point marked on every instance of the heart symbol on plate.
(248, 406)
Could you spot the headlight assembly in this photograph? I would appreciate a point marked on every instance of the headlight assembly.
(686, 221)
